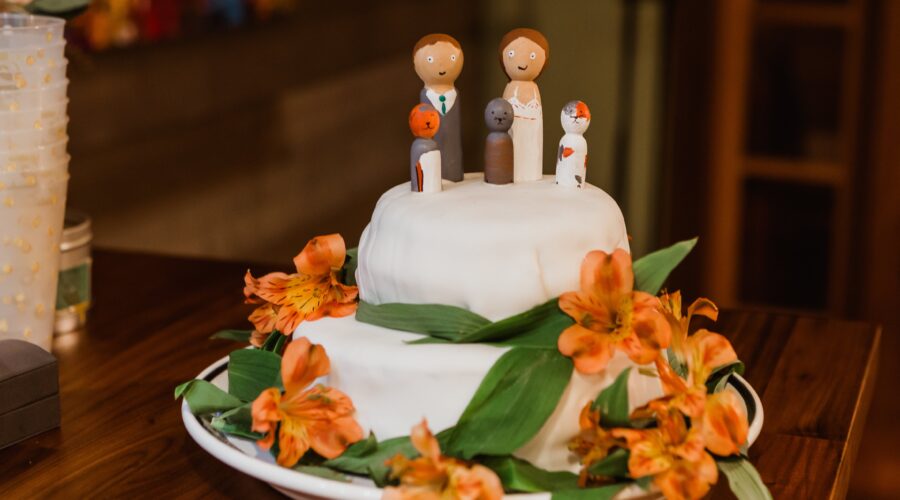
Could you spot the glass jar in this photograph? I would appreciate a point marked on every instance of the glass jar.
(73, 293)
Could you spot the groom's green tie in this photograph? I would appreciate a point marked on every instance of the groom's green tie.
(443, 104)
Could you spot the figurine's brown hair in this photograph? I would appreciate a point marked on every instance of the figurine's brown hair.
(533, 35)
(433, 39)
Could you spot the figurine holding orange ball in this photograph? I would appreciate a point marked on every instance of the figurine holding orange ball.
(524, 53)
(424, 154)
(438, 60)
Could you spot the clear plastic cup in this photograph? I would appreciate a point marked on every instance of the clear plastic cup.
(24, 141)
(22, 30)
(34, 158)
(29, 178)
(31, 223)
(45, 97)
(11, 121)
(36, 56)
(18, 171)
(17, 77)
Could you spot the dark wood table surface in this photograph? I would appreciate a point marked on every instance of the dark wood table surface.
(122, 435)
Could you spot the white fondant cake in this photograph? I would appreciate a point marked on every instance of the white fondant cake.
(394, 385)
(496, 250)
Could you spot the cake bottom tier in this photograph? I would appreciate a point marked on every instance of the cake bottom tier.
(394, 385)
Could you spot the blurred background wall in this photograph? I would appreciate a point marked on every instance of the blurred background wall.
(767, 127)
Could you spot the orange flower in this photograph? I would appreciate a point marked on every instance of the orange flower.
(720, 418)
(610, 315)
(310, 294)
(319, 417)
(593, 442)
(434, 476)
(673, 455)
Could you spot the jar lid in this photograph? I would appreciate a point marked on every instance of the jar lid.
(76, 230)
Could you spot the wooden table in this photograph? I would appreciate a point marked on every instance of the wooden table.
(122, 435)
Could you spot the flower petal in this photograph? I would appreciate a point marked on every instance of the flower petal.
(608, 277)
(266, 414)
(332, 437)
(264, 318)
(476, 483)
(724, 424)
(703, 307)
(302, 363)
(708, 351)
(587, 311)
(424, 441)
(590, 351)
(293, 442)
(321, 255)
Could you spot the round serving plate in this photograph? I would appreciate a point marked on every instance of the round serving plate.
(245, 456)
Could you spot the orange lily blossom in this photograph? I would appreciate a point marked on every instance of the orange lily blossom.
(721, 418)
(593, 443)
(315, 417)
(313, 292)
(610, 315)
(673, 455)
(433, 476)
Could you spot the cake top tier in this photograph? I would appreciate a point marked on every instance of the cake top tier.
(496, 250)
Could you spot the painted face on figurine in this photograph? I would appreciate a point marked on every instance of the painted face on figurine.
(575, 117)
(498, 115)
(523, 59)
(439, 63)
(424, 121)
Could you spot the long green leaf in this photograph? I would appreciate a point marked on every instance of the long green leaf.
(601, 493)
(519, 475)
(613, 402)
(447, 322)
(236, 335)
(204, 398)
(519, 323)
(651, 271)
(744, 480)
(251, 371)
(512, 403)
(613, 465)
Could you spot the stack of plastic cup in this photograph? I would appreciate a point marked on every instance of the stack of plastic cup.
(34, 172)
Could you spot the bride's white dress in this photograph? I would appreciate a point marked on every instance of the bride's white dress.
(528, 139)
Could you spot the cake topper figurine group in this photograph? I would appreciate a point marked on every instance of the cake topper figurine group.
(514, 146)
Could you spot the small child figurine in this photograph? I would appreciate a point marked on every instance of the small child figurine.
(571, 160)
(498, 147)
(438, 60)
(424, 155)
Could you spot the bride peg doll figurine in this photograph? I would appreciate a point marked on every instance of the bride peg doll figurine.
(524, 53)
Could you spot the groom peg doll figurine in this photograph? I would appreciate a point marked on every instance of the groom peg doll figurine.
(438, 60)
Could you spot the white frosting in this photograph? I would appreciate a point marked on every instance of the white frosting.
(496, 250)
(393, 384)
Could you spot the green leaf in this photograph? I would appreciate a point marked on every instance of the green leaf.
(744, 480)
(251, 371)
(613, 402)
(325, 472)
(368, 457)
(204, 398)
(278, 348)
(512, 403)
(535, 318)
(613, 465)
(719, 377)
(58, 8)
(348, 272)
(601, 493)
(651, 271)
(446, 322)
(519, 475)
(236, 335)
(271, 341)
(236, 421)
